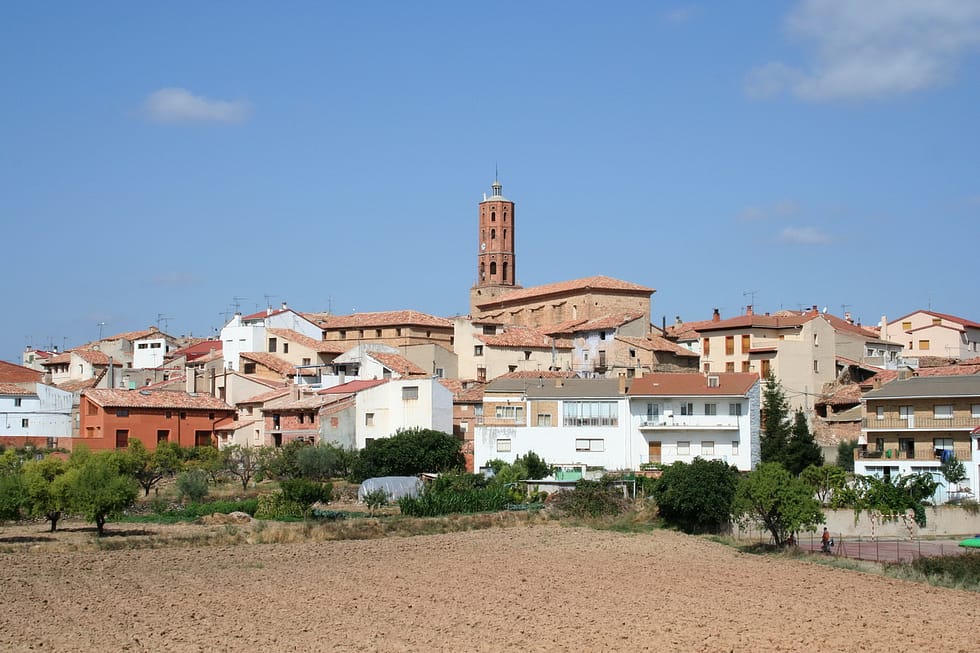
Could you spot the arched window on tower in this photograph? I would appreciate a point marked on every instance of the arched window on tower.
(483, 272)
(493, 216)
(504, 277)
(505, 234)
(493, 235)
(493, 269)
(505, 215)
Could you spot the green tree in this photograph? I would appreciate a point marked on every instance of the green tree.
(151, 467)
(409, 452)
(801, 450)
(207, 459)
(243, 463)
(530, 466)
(774, 498)
(39, 482)
(953, 471)
(12, 496)
(827, 481)
(845, 454)
(893, 496)
(193, 484)
(96, 486)
(696, 497)
(324, 462)
(775, 422)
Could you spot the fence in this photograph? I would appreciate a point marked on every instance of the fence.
(882, 549)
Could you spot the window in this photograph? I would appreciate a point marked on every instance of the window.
(880, 412)
(683, 448)
(285, 347)
(590, 413)
(168, 414)
(163, 436)
(464, 427)
(527, 355)
(154, 345)
(25, 422)
(306, 361)
(481, 374)
(906, 412)
(944, 444)
(122, 439)
(515, 413)
(975, 410)
(590, 444)
(729, 345)
(511, 368)
(907, 445)
(440, 372)
(632, 353)
(503, 444)
(493, 268)
(707, 448)
(653, 412)
(410, 392)
(942, 412)
(300, 418)
(368, 419)
(272, 345)
(734, 447)
(735, 410)
(544, 419)
(707, 367)
(141, 345)
(17, 401)
(249, 368)
(746, 367)
(707, 347)
(714, 381)
(923, 345)
(711, 409)
(936, 321)
(766, 368)
(477, 350)
(122, 412)
(746, 342)
(906, 326)
(816, 366)
(816, 340)
(730, 367)
(343, 335)
(398, 331)
(687, 408)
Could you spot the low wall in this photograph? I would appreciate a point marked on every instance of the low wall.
(941, 521)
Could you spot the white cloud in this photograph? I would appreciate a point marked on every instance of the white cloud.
(180, 105)
(862, 50)
(783, 209)
(803, 236)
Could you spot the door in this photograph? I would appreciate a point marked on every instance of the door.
(654, 451)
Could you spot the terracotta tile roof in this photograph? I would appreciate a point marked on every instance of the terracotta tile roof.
(944, 316)
(306, 401)
(95, 357)
(598, 324)
(78, 386)
(676, 385)
(842, 395)
(353, 386)
(265, 396)
(154, 399)
(319, 346)
(11, 373)
(658, 343)
(342, 403)
(948, 370)
(271, 361)
(464, 395)
(597, 283)
(14, 389)
(381, 318)
(62, 359)
(882, 377)
(266, 313)
(538, 374)
(199, 349)
(521, 336)
(398, 364)
(175, 380)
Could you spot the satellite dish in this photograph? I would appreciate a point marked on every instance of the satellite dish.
(824, 310)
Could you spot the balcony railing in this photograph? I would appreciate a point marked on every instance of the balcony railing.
(500, 421)
(724, 422)
(920, 422)
(923, 451)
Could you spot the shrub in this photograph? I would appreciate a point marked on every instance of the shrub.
(963, 569)
(456, 493)
(324, 462)
(192, 485)
(306, 492)
(376, 499)
(589, 499)
(696, 497)
(408, 453)
(277, 506)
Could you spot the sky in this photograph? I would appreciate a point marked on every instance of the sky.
(166, 163)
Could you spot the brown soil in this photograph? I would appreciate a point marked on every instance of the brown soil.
(542, 587)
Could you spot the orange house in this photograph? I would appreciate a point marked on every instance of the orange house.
(111, 419)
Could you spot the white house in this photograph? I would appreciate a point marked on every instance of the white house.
(248, 333)
(679, 417)
(383, 409)
(34, 413)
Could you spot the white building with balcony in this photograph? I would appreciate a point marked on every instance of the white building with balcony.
(679, 417)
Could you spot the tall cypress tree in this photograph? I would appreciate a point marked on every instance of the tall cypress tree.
(801, 450)
(775, 422)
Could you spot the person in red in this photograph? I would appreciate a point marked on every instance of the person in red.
(825, 541)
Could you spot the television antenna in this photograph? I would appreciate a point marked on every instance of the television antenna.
(162, 318)
(267, 297)
(751, 295)
(237, 303)
(101, 324)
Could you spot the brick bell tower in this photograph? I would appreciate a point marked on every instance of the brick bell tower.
(495, 261)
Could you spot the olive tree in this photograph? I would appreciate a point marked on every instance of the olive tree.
(780, 502)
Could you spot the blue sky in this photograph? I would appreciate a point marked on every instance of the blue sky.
(157, 161)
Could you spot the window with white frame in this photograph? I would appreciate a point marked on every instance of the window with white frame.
(590, 413)
(508, 412)
(942, 411)
(544, 419)
(975, 410)
(707, 447)
(880, 412)
(687, 408)
(711, 409)
(653, 412)
(684, 448)
(734, 447)
(590, 444)
(410, 392)
(368, 419)
(905, 412)
(503, 444)
(942, 443)
(735, 410)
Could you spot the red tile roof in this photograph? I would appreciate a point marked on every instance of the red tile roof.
(843, 395)
(679, 384)
(78, 386)
(271, 361)
(95, 357)
(464, 395)
(588, 283)
(198, 349)
(398, 364)
(154, 399)
(14, 389)
(598, 324)
(353, 386)
(265, 396)
(266, 313)
(658, 343)
(944, 316)
(11, 373)
(522, 336)
(303, 340)
(948, 370)
(377, 319)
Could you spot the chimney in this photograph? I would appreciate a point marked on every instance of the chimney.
(848, 318)
(748, 310)
(284, 307)
(678, 321)
(268, 310)
(716, 316)
(154, 328)
(814, 308)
